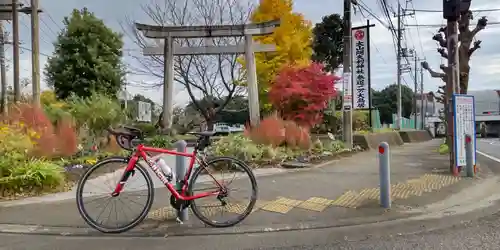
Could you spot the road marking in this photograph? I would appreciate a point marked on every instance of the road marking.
(488, 156)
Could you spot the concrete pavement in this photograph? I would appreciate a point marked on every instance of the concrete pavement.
(476, 229)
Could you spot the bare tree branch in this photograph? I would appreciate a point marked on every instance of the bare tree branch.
(433, 73)
(440, 39)
(477, 45)
(481, 25)
(443, 53)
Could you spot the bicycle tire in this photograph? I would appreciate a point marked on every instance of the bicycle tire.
(91, 222)
(242, 216)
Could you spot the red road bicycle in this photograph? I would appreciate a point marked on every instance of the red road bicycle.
(180, 199)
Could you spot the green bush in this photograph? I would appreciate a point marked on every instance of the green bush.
(360, 119)
(96, 113)
(246, 150)
(161, 141)
(32, 176)
(443, 149)
(148, 129)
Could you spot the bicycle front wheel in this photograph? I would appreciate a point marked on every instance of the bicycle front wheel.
(125, 209)
(237, 197)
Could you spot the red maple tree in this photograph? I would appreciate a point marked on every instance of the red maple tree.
(301, 94)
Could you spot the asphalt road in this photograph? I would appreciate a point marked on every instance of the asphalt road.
(490, 146)
(480, 233)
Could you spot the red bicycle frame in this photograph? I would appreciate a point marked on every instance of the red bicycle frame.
(141, 152)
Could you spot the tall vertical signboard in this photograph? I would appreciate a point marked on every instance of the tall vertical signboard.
(464, 124)
(361, 68)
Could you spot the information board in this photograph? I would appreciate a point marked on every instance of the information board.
(464, 124)
(143, 111)
(347, 89)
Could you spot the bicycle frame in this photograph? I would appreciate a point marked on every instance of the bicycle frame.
(141, 152)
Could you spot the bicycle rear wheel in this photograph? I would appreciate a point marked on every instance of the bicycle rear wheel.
(114, 204)
(214, 169)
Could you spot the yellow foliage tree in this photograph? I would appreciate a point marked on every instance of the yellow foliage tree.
(293, 42)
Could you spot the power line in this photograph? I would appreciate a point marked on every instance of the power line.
(374, 45)
(29, 49)
(363, 6)
(440, 11)
(441, 25)
(418, 30)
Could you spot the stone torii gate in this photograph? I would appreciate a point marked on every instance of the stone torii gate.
(169, 33)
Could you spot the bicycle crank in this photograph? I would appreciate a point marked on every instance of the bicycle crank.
(178, 204)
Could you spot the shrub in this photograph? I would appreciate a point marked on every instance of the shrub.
(237, 146)
(161, 141)
(32, 176)
(148, 129)
(66, 135)
(274, 131)
(96, 113)
(49, 141)
(443, 149)
(270, 131)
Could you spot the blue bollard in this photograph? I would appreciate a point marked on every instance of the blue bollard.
(385, 174)
(180, 172)
(469, 156)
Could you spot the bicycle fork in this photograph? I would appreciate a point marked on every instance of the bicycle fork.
(128, 172)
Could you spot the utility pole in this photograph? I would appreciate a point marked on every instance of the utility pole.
(451, 12)
(3, 77)
(423, 110)
(347, 81)
(399, 101)
(15, 50)
(35, 52)
(415, 91)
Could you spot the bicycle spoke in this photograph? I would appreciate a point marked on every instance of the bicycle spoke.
(226, 208)
(97, 210)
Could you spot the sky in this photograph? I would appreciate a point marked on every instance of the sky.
(485, 62)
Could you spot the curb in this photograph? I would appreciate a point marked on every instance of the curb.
(191, 230)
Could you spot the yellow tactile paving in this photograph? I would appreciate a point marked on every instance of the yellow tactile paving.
(281, 205)
(413, 187)
(350, 199)
(277, 208)
(288, 202)
(313, 206)
(236, 208)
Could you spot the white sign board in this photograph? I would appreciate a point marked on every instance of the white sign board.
(361, 88)
(464, 124)
(143, 111)
(347, 89)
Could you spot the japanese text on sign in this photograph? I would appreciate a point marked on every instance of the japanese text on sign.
(465, 124)
(360, 72)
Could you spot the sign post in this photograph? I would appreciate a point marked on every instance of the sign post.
(361, 75)
(464, 124)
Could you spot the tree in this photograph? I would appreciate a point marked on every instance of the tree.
(465, 51)
(386, 102)
(302, 93)
(204, 76)
(86, 58)
(328, 42)
(292, 39)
